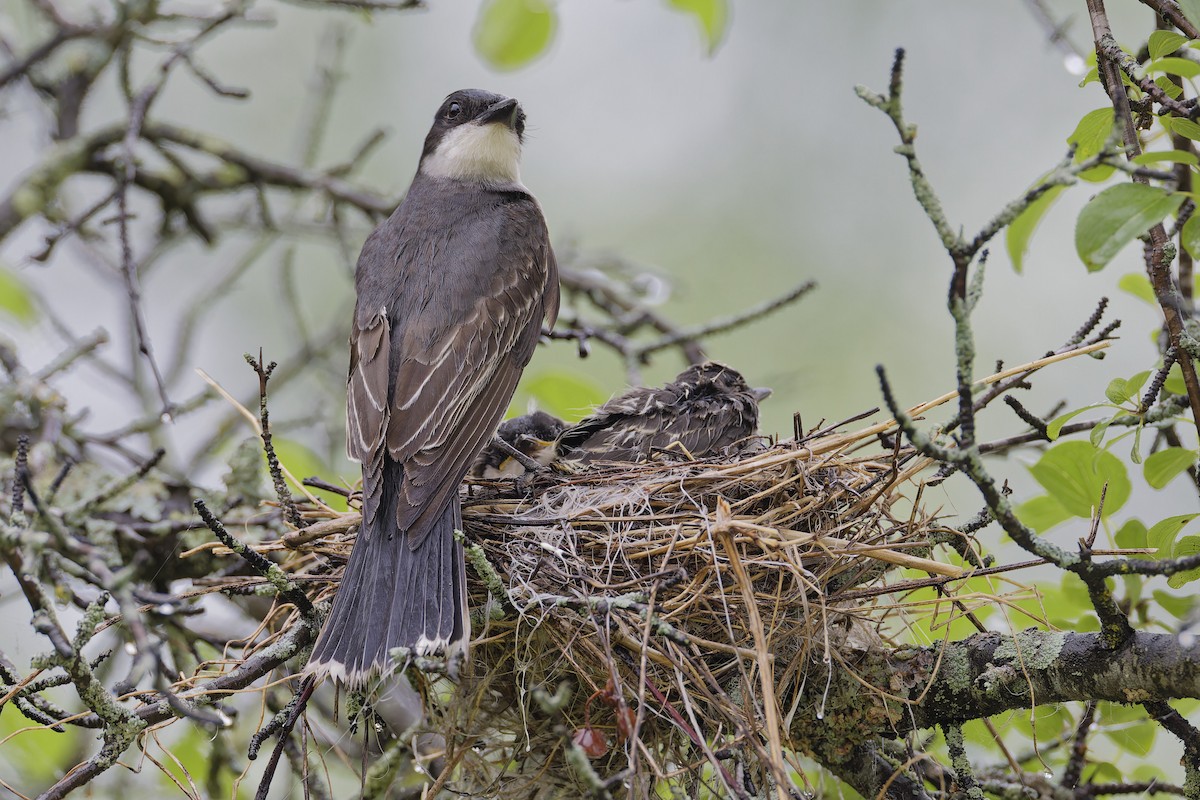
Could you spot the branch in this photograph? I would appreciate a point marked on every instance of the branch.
(723, 325)
(1161, 253)
(258, 562)
(39, 188)
(1170, 11)
(989, 674)
(1107, 48)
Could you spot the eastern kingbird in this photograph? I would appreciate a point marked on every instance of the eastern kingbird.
(532, 434)
(706, 410)
(452, 290)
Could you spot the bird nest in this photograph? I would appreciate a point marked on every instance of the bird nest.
(661, 620)
(657, 622)
(669, 625)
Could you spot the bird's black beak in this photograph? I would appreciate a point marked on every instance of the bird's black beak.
(504, 111)
(761, 394)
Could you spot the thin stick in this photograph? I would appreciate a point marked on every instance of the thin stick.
(766, 672)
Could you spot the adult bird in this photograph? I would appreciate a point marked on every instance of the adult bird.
(707, 410)
(452, 291)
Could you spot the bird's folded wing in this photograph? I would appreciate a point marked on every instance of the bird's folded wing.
(366, 401)
(450, 394)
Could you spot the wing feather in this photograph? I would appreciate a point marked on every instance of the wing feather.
(461, 450)
(366, 401)
(460, 333)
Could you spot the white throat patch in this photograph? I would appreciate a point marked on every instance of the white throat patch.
(489, 153)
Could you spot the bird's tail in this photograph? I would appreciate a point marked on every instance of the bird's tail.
(392, 595)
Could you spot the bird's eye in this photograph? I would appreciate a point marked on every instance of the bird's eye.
(453, 110)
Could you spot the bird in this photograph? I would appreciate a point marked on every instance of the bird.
(532, 434)
(452, 291)
(706, 410)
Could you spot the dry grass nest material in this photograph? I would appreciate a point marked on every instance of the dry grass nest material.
(640, 603)
(657, 593)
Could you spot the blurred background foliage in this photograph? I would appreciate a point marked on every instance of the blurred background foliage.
(730, 175)
(718, 147)
(715, 147)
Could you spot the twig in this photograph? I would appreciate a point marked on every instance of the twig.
(1150, 396)
(1187, 734)
(1078, 756)
(20, 481)
(766, 672)
(282, 723)
(525, 461)
(290, 512)
(1160, 253)
(260, 564)
(1107, 48)
(963, 774)
(699, 332)
(1056, 32)
(1170, 11)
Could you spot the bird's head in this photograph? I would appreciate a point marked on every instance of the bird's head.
(476, 136)
(715, 377)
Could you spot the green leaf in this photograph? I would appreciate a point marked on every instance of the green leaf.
(976, 732)
(1163, 467)
(192, 754)
(1135, 454)
(1098, 174)
(1175, 66)
(1169, 87)
(1145, 773)
(1096, 434)
(36, 754)
(1119, 714)
(1137, 739)
(713, 16)
(1071, 606)
(1161, 535)
(1184, 127)
(1162, 43)
(16, 299)
(1042, 513)
(303, 463)
(1189, 237)
(1117, 216)
(1131, 535)
(1056, 425)
(563, 393)
(1187, 546)
(511, 33)
(1091, 133)
(1136, 382)
(1174, 383)
(1138, 285)
(1117, 391)
(1178, 607)
(1133, 589)
(1125, 390)
(1020, 230)
(1052, 720)
(1173, 156)
(1075, 473)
